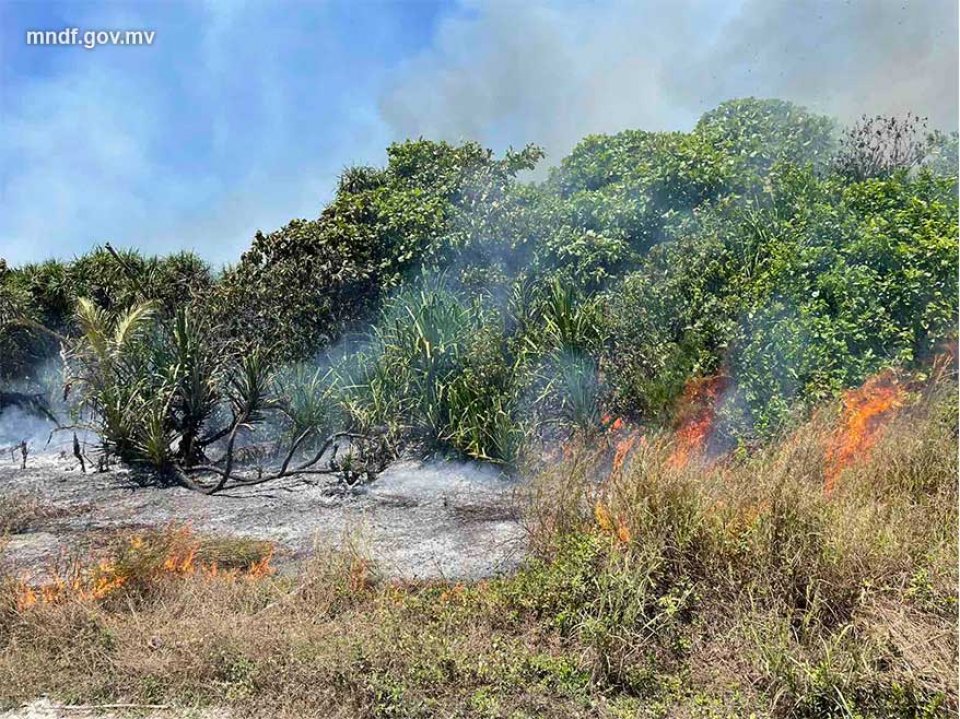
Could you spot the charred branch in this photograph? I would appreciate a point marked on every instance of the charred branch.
(227, 477)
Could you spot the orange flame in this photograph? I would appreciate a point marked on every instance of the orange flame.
(613, 424)
(624, 438)
(624, 447)
(866, 411)
(697, 414)
(107, 577)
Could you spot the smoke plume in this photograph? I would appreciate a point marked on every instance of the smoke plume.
(510, 73)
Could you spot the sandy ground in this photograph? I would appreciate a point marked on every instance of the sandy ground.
(416, 520)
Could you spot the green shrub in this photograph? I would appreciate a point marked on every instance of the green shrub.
(760, 133)
(795, 297)
(381, 226)
(113, 280)
(645, 259)
(437, 368)
(632, 185)
(154, 389)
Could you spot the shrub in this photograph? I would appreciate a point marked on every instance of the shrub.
(649, 562)
(796, 297)
(761, 133)
(154, 389)
(644, 260)
(630, 186)
(381, 226)
(22, 345)
(436, 367)
(46, 296)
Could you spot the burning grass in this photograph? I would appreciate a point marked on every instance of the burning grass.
(142, 562)
(697, 412)
(866, 410)
(655, 589)
(746, 571)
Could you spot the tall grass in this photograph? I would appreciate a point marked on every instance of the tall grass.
(734, 589)
(821, 599)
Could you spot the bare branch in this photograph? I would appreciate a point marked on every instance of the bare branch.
(228, 478)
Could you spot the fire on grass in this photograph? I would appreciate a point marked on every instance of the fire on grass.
(145, 560)
(695, 424)
(698, 410)
(866, 412)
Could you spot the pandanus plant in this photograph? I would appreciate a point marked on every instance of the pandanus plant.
(155, 391)
(151, 389)
(108, 366)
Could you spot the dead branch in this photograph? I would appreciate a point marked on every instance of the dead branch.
(228, 478)
(79, 454)
(130, 272)
(34, 325)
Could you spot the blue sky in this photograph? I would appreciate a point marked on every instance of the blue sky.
(241, 114)
(236, 118)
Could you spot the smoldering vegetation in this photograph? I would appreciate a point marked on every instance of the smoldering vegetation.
(700, 344)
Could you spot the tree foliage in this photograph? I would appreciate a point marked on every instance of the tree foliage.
(795, 296)
(459, 305)
(298, 288)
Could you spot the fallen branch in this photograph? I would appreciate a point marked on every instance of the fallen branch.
(229, 478)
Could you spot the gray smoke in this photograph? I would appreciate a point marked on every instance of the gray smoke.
(17, 425)
(508, 73)
(25, 424)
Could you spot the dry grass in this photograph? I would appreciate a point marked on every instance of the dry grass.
(331, 642)
(832, 602)
(655, 590)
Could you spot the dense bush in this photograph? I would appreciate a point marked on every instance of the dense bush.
(47, 294)
(147, 387)
(761, 133)
(749, 247)
(22, 347)
(630, 185)
(437, 369)
(795, 296)
(298, 288)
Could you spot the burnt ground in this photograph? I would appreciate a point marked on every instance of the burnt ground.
(438, 519)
